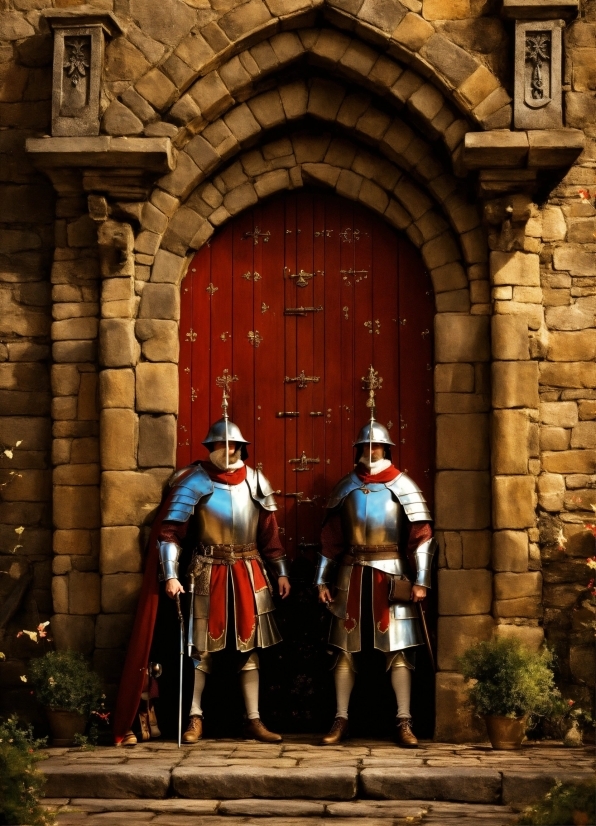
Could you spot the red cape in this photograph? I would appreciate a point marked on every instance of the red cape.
(139, 648)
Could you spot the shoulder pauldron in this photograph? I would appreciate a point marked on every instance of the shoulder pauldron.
(410, 497)
(188, 490)
(260, 489)
(342, 489)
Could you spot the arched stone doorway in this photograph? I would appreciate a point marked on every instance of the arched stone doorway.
(297, 296)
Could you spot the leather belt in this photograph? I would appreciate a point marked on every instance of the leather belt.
(223, 554)
(370, 553)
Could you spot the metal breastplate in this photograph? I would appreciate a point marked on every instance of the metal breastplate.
(372, 518)
(228, 516)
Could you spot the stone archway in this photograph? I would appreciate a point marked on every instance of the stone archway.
(457, 263)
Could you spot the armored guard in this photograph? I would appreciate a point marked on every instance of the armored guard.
(227, 512)
(376, 518)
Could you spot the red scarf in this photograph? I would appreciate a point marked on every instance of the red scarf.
(225, 477)
(382, 478)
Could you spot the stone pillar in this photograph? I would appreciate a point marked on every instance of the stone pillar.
(75, 449)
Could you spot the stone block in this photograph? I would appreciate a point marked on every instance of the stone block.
(476, 549)
(462, 500)
(461, 338)
(456, 634)
(515, 384)
(76, 475)
(60, 594)
(554, 227)
(463, 442)
(157, 388)
(83, 593)
(554, 438)
(515, 268)
(71, 542)
(551, 491)
(157, 441)
(73, 633)
(522, 787)
(468, 785)
(119, 120)
(514, 502)
(120, 550)
(464, 592)
(529, 607)
(160, 301)
(168, 268)
(581, 662)
(113, 630)
(76, 507)
(509, 338)
(117, 388)
(530, 636)
(157, 89)
(129, 498)
(571, 374)
(454, 378)
(570, 461)
(118, 346)
(159, 339)
(454, 722)
(572, 346)
(413, 32)
(97, 779)
(516, 586)
(559, 414)
(575, 259)
(587, 410)
(584, 435)
(74, 329)
(326, 783)
(119, 593)
(119, 429)
(510, 551)
(510, 437)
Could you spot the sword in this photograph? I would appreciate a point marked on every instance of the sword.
(181, 621)
(426, 636)
(191, 615)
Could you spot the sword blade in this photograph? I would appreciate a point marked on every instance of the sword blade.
(181, 621)
(426, 636)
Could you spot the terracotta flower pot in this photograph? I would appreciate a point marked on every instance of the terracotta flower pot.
(64, 725)
(505, 732)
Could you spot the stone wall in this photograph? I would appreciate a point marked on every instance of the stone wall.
(245, 95)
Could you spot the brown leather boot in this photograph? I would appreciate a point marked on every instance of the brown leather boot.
(405, 737)
(337, 732)
(194, 730)
(256, 730)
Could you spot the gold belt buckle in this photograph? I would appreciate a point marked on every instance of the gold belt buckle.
(208, 550)
(232, 554)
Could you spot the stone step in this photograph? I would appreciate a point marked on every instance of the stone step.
(256, 812)
(160, 777)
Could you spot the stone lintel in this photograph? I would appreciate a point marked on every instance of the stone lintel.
(82, 16)
(534, 149)
(540, 9)
(102, 152)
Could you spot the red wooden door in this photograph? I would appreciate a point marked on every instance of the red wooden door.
(297, 297)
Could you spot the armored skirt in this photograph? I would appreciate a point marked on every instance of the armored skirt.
(372, 524)
(228, 519)
(247, 584)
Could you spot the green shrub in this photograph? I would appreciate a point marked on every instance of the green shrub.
(510, 680)
(21, 785)
(62, 680)
(567, 804)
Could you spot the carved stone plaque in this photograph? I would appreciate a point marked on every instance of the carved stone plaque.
(538, 68)
(79, 39)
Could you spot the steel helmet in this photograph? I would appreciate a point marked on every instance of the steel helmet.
(217, 433)
(373, 432)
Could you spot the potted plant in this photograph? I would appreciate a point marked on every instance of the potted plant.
(69, 691)
(511, 686)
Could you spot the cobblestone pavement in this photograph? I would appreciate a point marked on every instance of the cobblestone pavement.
(230, 782)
